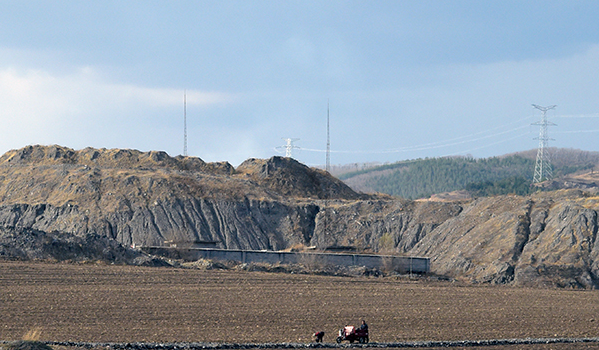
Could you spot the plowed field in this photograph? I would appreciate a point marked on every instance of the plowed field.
(99, 303)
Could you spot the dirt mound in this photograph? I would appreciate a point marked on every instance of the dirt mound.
(290, 178)
(110, 158)
(139, 198)
(586, 180)
(26, 345)
(30, 244)
(454, 196)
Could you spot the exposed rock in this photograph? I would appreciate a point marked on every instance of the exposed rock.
(564, 252)
(110, 158)
(106, 200)
(30, 244)
(543, 240)
(51, 188)
(288, 177)
(453, 196)
(584, 180)
(26, 345)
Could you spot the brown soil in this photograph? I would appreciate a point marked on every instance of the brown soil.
(99, 303)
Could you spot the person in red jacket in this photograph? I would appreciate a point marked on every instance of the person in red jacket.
(318, 336)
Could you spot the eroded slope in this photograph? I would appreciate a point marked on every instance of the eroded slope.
(147, 198)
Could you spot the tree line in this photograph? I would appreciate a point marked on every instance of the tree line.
(508, 174)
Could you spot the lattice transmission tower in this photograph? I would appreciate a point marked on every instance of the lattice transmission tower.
(543, 170)
(289, 147)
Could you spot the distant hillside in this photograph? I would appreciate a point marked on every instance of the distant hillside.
(509, 174)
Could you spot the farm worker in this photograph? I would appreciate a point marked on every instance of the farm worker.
(318, 336)
(364, 326)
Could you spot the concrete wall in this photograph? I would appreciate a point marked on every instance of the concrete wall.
(388, 262)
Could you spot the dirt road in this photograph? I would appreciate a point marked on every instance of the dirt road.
(101, 303)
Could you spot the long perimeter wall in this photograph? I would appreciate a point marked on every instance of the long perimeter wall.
(400, 264)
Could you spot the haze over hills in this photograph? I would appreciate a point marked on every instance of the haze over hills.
(63, 204)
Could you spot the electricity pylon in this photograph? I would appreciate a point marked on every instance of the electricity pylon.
(289, 147)
(543, 169)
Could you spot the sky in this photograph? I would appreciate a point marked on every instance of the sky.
(398, 80)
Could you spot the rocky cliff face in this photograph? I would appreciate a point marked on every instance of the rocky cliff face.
(547, 239)
(148, 198)
(137, 198)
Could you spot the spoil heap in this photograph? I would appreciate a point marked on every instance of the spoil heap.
(146, 198)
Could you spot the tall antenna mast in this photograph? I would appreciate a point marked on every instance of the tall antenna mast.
(328, 169)
(328, 164)
(543, 169)
(185, 123)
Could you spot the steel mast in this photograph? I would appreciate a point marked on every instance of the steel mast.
(185, 123)
(543, 170)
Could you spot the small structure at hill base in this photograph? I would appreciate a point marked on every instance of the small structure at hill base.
(340, 248)
(401, 264)
(192, 244)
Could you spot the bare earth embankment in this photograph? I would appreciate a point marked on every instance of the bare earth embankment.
(99, 303)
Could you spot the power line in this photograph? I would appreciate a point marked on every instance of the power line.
(430, 145)
(447, 142)
(466, 139)
(593, 115)
(576, 131)
(488, 145)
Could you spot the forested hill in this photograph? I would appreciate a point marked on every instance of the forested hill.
(509, 174)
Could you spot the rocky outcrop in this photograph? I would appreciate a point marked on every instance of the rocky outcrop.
(110, 158)
(144, 199)
(547, 239)
(562, 248)
(148, 198)
(248, 224)
(30, 244)
(292, 179)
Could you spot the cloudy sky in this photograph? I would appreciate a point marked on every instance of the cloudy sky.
(403, 79)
